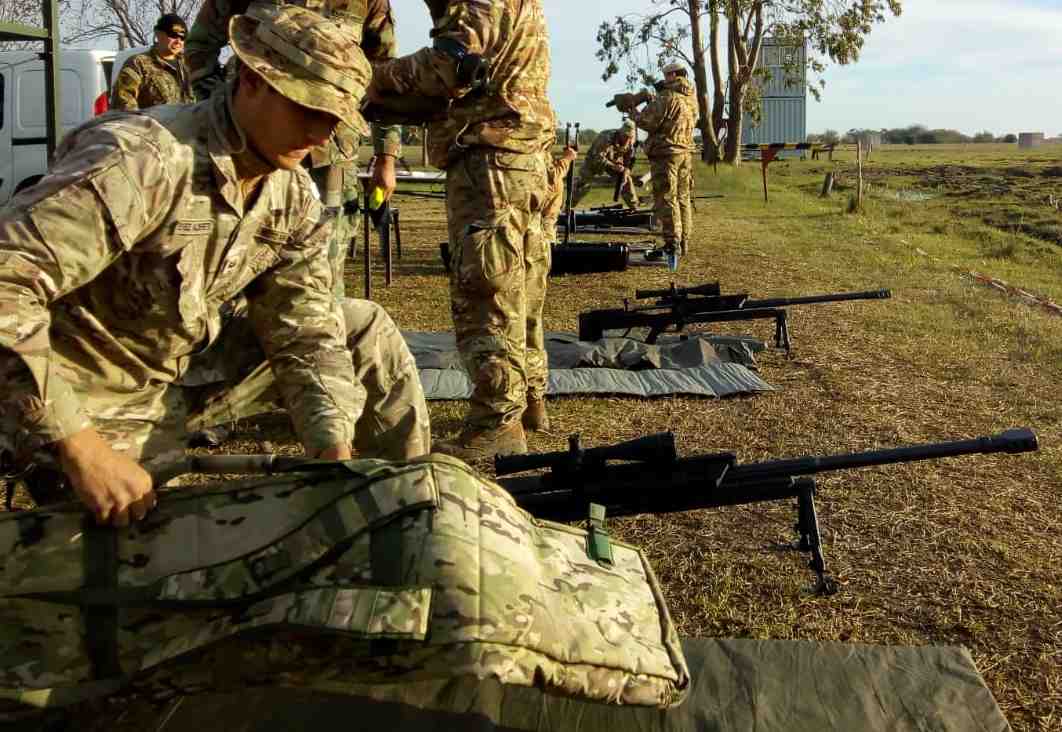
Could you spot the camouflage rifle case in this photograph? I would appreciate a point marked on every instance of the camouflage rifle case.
(353, 573)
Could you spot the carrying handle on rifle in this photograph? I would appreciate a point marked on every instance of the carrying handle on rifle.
(656, 449)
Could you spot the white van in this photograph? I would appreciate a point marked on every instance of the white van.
(85, 86)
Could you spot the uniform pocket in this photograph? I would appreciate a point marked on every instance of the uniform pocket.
(489, 258)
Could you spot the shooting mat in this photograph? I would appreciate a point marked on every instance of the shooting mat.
(738, 686)
(712, 366)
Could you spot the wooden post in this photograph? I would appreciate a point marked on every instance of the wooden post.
(424, 146)
(827, 186)
(859, 190)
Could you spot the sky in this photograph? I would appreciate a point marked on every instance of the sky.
(969, 65)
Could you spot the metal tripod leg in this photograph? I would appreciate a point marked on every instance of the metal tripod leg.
(781, 333)
(810, 541)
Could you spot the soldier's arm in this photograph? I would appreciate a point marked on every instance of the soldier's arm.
(379, 44)
(127, 87)
(207, 36)
(650, 118)
(613, 158)
(465, 32)
(56, 236)
(301, 328)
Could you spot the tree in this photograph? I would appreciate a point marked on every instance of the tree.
(639, 44)
(985, 136)
(130, 22)
(25, 12)
(1010, 139)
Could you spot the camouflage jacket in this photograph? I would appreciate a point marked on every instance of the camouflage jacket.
(147, 80)
(606, 154)
(510, 109)
(670, 119)
(370, 24)
(115, 267)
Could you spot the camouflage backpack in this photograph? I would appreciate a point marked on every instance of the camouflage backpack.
(353, 573)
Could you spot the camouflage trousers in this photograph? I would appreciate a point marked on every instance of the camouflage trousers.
(672, 181)
(500, 259)
(588, 178)
(340, 191)
(231, 380)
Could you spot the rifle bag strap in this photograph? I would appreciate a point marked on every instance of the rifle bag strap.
(598, 542)
(100, 553)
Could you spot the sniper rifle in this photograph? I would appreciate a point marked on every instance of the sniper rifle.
(607, 217)
(675, 308)
(646, 476)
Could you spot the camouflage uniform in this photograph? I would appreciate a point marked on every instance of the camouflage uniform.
(556, 171)
(606, 158)
(147, 80)
(492, 147)
(115, 270)
(370, 25)
(670, 119)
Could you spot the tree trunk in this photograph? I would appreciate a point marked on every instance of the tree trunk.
(710, 145)
(732, 155)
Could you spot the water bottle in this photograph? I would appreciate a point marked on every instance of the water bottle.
(672, 259)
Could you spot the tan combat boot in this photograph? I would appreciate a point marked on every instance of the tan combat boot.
(478, 443)
(535, 416)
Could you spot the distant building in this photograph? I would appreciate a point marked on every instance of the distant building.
(1030, 139)
(783, 110)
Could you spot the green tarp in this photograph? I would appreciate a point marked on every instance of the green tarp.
(738, 686)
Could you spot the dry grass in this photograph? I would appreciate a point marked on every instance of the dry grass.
(963, 551)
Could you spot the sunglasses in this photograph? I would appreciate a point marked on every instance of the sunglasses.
(176, 35)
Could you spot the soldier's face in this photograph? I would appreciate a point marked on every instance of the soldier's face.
(170, 44)
(280, 130)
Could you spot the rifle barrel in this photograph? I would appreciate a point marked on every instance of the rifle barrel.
(1011, 441)
(781, 302)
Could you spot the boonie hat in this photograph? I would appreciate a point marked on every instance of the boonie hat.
(628, 126)
(306, 58)
(673, 67)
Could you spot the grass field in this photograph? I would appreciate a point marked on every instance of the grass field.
(961, 552)
(958, 552)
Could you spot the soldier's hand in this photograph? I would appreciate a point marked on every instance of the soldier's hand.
(112, 486)
(383, 174)
(570, 154)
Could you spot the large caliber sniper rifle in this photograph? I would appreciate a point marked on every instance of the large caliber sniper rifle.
(652, 479)
(675, 308)
(608, 217)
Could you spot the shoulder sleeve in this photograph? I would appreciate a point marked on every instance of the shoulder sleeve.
(57, 236)
(127, 86)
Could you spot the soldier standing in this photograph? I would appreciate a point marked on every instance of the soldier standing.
(114, 269)
(158, 76)
(489, 63)
(333, 166)
(608, 156)
(670, 118)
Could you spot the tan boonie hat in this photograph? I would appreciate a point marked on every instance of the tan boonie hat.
(673, 67)
(627, 127)
(306, 58)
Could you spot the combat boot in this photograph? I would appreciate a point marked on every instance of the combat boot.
(535, 416)
(478, 443)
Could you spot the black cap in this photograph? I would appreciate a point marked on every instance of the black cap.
(172, 22)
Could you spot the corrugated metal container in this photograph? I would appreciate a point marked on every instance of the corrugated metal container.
(773, 58)
(782, 120)
(1030, 139)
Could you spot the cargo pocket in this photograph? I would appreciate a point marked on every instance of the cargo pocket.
(489, 259)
